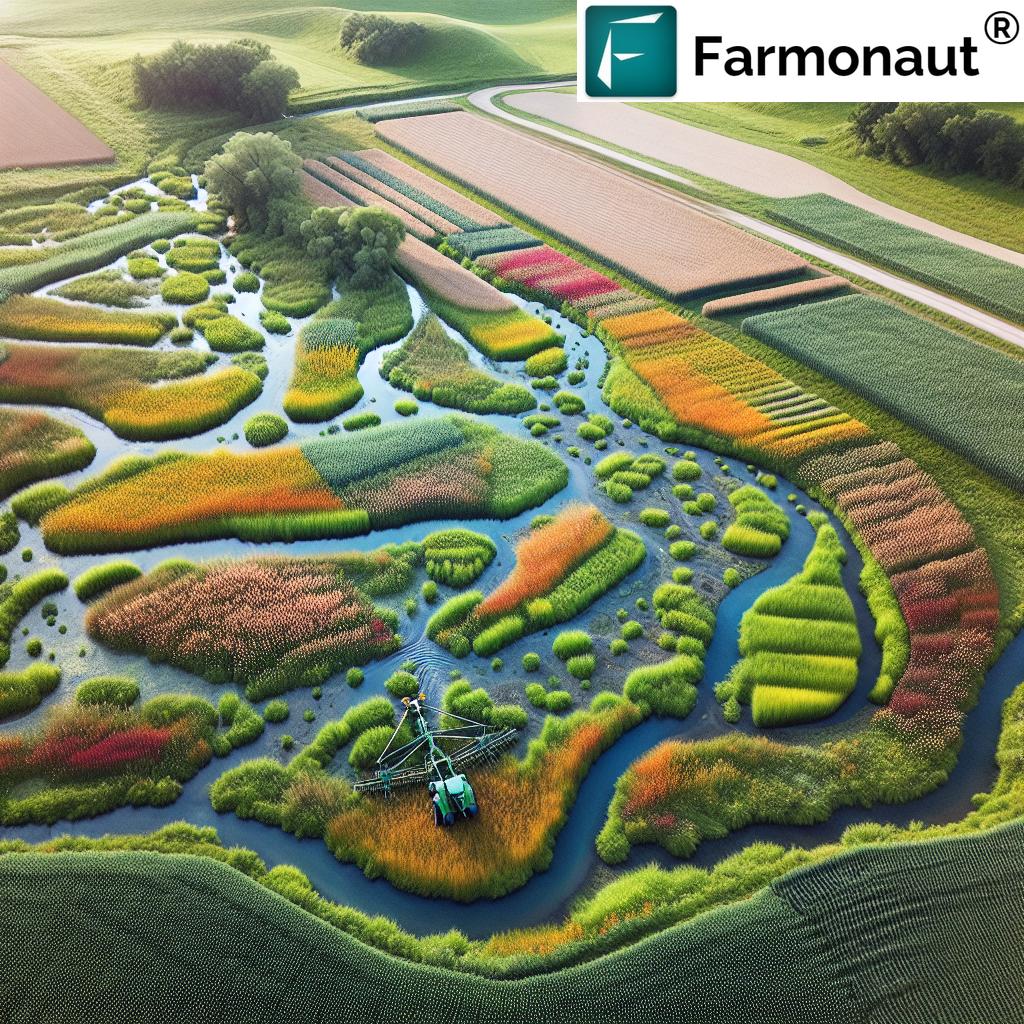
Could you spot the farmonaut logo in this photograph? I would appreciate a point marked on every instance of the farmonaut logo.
(630, 51)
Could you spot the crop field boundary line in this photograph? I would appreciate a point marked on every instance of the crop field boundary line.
(483, 100)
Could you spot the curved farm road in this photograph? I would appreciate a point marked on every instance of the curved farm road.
(737, 163)
(483, 100)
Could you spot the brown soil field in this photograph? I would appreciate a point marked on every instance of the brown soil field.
(36, 132)
(621, 220)
(448, 279)
(767, 297)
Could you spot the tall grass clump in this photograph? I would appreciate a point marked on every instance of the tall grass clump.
(25, 690)
(34, 446)
(98, 579)
(33, 318)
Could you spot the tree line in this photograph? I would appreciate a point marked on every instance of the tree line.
(241, 75)
(955, 137)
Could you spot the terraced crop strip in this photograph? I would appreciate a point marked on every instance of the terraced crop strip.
(426, 190)
(438, 275)
(799, 643)
(360, 195)
(987, 282)
(622, 221)
(327, 487)
(938, 381)
(765, 298)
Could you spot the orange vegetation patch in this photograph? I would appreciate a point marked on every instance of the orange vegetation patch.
(191, 488)
(522, 806)
(546, 557)
(36, 132)
(629, 224)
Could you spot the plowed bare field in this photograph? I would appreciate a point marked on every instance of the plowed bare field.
(617, 218)
(36, 132)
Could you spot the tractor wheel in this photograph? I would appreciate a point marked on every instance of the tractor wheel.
(449, 818)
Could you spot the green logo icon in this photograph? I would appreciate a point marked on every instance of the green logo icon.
(630, 51)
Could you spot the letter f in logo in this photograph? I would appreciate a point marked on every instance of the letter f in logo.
(604, 69)
(630, 51)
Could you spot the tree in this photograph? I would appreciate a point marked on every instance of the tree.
(866, 115)
(376, 40)
(265, 90)
(256, 177)
(240, 75)
(360, 242)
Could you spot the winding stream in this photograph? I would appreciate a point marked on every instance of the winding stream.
(546, 895)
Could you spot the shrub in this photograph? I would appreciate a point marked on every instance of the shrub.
(378, 41)
(360, 421)
(246, 281)
(354, 677)
(402, 684)
(682, 550)
(531, 662)
(98, 579)
(656, 517)
(276, 711)
(265, 429)
(708, 529)
(570, 643)
(121, 691)
(632, 630)
(457, 557)
(184, 289)
(406, 407)
(274, 322)
(549, 362)
(581, 665)
(666, 688)
(686, 471)
(731, 577)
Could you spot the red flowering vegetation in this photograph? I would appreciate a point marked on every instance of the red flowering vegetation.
(143, 743)
(942, 580)
(269, 624)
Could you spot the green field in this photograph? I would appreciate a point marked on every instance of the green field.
(927, 932)
(966, 396)
(82, 59)
(979, 279)
(819, 133)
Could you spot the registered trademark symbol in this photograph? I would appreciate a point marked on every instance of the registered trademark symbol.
(1002, 27)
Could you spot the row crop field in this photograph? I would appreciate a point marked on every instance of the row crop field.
(975, 277)
(326, 487)
(628, 224)
(966, 396)
(765, 298)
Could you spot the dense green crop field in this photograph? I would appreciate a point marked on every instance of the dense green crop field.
(966, 396)
(930, 932)
(979, 279)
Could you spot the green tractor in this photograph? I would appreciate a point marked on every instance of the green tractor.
(436, 757)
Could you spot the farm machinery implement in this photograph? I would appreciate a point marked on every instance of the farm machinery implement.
(436, 758)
